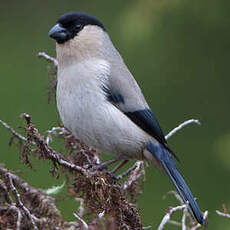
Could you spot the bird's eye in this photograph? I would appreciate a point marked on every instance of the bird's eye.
(78, 27)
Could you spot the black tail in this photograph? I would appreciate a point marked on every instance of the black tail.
(164, 158)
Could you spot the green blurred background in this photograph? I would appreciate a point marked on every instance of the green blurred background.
(178, 51)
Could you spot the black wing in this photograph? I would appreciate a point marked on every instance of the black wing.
(147, 121)
(144, 118)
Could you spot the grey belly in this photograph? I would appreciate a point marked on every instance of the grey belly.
(104, 128)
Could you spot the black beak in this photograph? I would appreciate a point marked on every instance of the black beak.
(58, 33)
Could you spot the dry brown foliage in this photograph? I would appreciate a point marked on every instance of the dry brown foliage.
(107, 203)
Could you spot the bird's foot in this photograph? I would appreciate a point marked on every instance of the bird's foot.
(99, 167)
(103, 168)
(104, 165)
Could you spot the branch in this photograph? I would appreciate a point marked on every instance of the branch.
(19, 203)
(223, 214)
(167, 218)
(128, 171)
(92, 185)
(49, 59)
(51, 74)
(197, 226)
(49, 153)
(170, 134)
(135, 174)
(14, 133)
(82, 222)
(81, 206)
(19, 216)
(168, 215)
(5, 192)
(183, 221)
(28, 203)
(179, 127)
(131, 186)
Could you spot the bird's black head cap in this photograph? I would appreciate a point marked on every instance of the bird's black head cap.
(70, 24)
(74, 18)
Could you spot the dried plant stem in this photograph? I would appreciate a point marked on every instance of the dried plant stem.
(14, 133)
(82, 222)
(168, 215)
(19, 203)
(223, 214)
(48, 58)
(179, 127)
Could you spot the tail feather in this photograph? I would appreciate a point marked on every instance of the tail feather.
(166, 161)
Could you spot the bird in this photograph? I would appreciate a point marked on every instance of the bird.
(100, 102)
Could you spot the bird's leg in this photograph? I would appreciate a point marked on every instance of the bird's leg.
(119, 166)
(105, 164)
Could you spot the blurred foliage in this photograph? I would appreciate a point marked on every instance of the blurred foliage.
(179, 53)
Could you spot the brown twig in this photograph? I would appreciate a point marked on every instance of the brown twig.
(19, 203)
(49, 153)
(52, 74)
(19, 216)
(14, 133)
(5, 192)
(107, 192)
(28, 203)
(34, 138)
(49, 59)
(128, 171)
